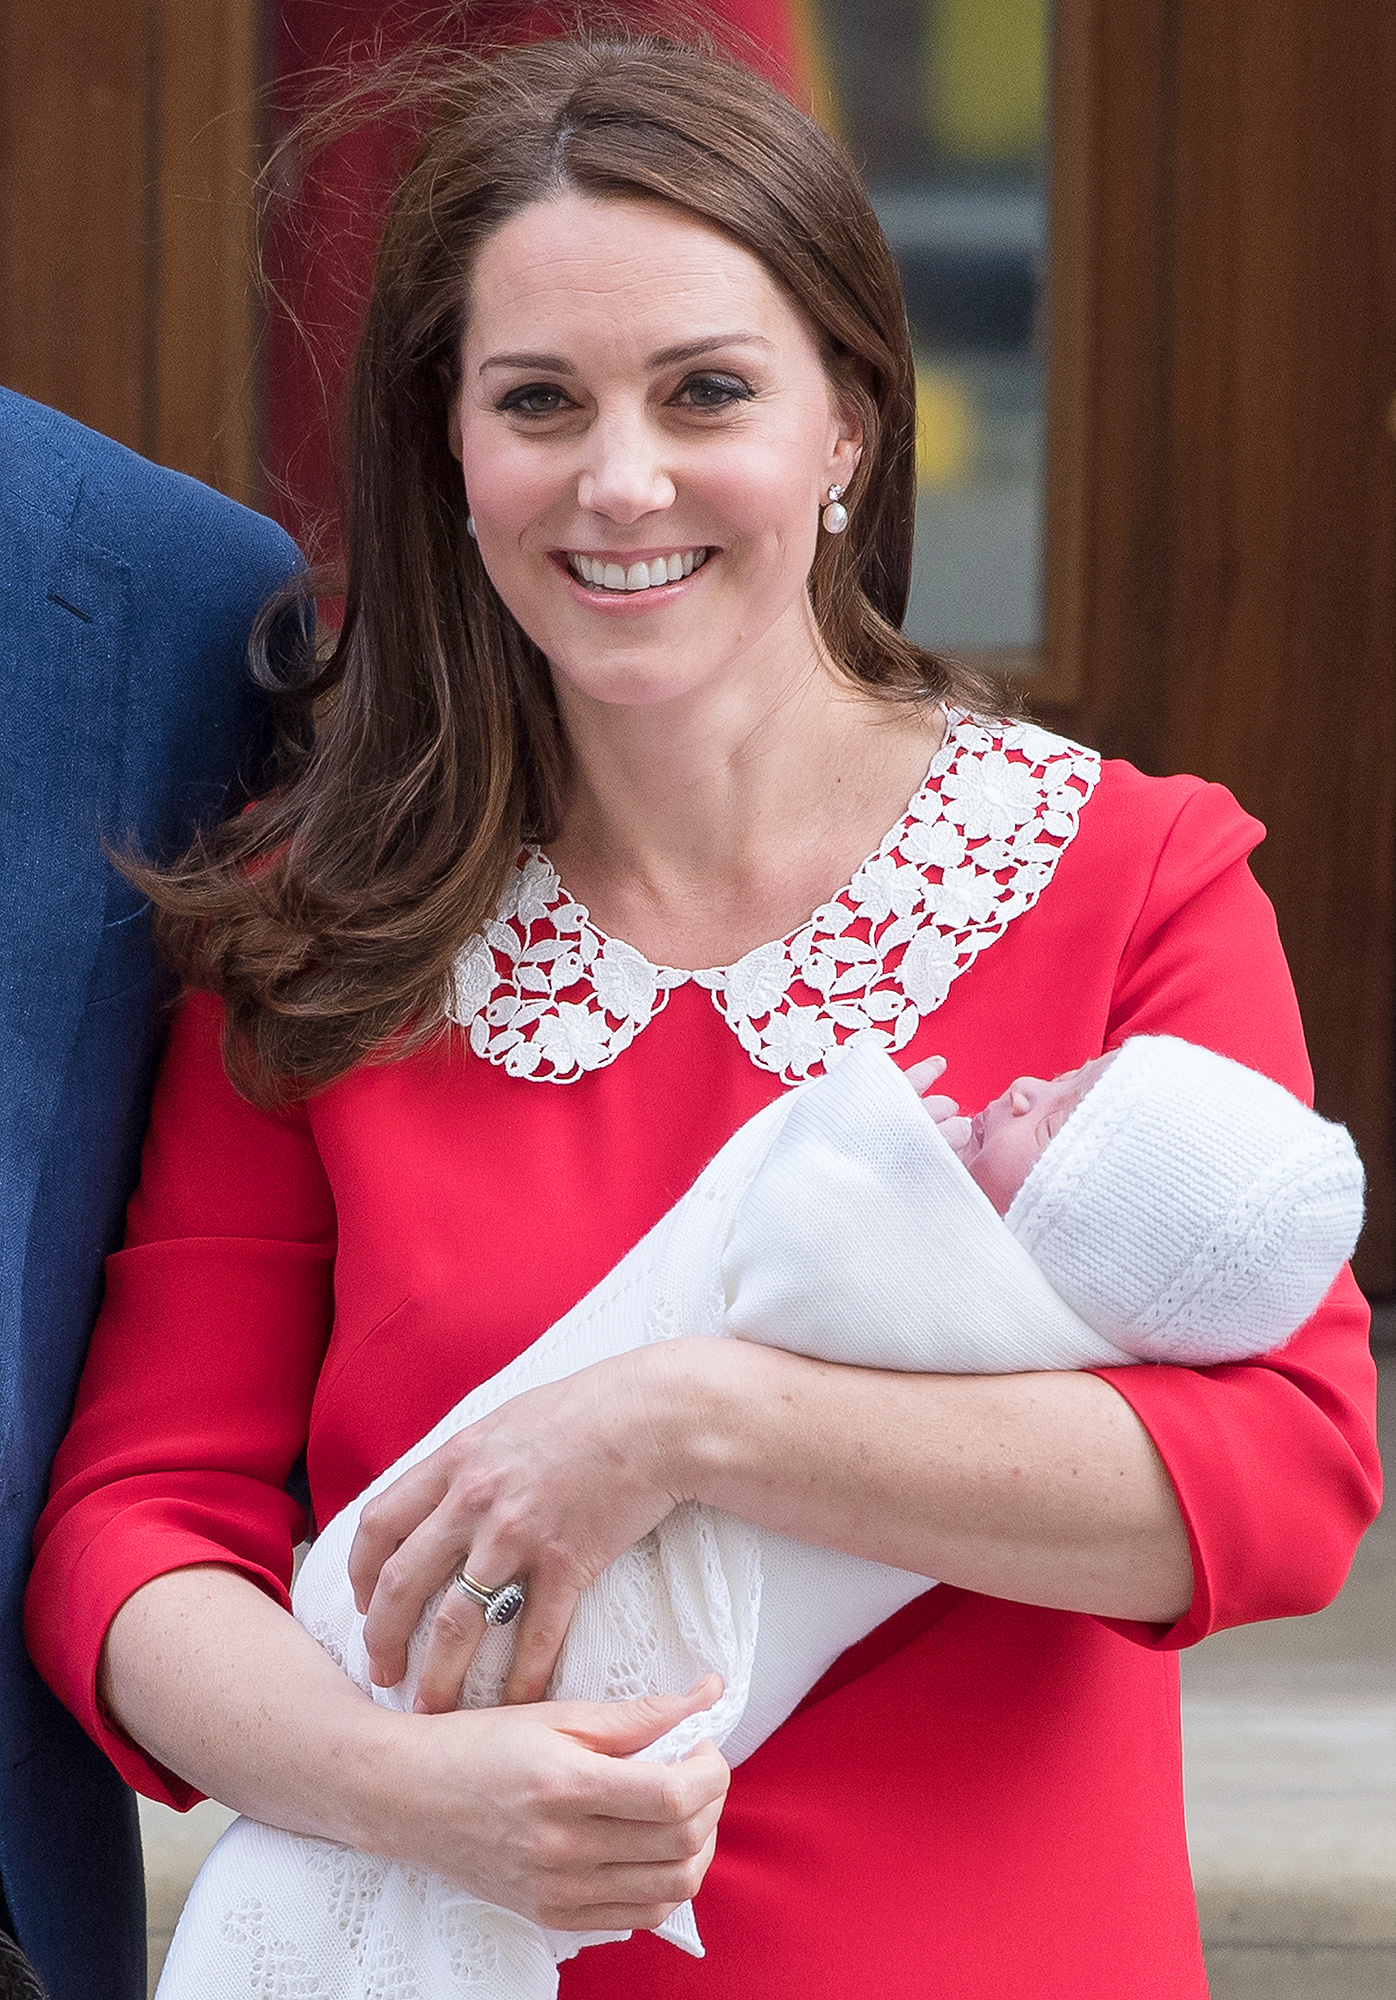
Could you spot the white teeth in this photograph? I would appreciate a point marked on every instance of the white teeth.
(640, 575)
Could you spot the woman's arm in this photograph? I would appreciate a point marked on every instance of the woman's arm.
(1041, 1487)
(1046, 1488)
(535, 1809)
(157, 1606)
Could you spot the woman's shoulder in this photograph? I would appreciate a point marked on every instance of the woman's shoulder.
(1118, 793)
(1178, 822)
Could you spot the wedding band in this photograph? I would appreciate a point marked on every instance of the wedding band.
(499, 1606)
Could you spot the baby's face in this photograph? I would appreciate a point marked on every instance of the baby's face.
(1008, 1137)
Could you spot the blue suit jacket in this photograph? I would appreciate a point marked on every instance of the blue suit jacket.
(126, 593)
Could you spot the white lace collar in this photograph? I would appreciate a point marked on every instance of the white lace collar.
(546, 994)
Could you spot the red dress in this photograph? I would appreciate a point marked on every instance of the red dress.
(983, 1800)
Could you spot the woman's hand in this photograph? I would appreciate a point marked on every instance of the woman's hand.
(540, 1809)
(549, 1488)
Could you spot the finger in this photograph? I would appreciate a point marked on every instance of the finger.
(628, 1884)
(610, 1916)
(600, 1842)
(457, 1627)
(668, 1794)
(940, 1108)
(541, 1628)
(389, 1518)
(422, 1565)
(923, 1074)
(956, 1132)
(620, 1728)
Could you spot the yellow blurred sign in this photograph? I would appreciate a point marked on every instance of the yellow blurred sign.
(988, 77)
(946, 428)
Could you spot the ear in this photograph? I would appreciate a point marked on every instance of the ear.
(453, 444)
(848, 444)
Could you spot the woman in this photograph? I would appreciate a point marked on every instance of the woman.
(632, 311)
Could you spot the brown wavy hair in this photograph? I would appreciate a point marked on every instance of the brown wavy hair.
(418, 756)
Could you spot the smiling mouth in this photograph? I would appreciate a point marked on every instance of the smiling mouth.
(599, 574)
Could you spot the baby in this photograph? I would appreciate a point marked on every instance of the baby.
(1160, 1203)
(1190, 1210)
(1001, 1144)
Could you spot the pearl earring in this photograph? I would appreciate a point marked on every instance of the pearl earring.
(470, 527)
(835, 515)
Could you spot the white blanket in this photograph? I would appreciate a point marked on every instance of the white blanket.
(836, 1223)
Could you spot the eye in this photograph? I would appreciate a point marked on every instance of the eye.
(713, 392)
(535, 399)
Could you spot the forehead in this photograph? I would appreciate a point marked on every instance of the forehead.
(1077, 1082)
(631, 273)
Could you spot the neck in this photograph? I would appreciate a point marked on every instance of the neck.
(700, 827)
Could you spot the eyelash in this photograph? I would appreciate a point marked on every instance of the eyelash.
(517, 399)
(731, 388)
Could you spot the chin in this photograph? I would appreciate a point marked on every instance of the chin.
(628, 687)
(644, 673)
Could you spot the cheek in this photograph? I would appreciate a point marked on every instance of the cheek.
(508, 487)
(759, 502)
(772, 477)
(1006, 1162)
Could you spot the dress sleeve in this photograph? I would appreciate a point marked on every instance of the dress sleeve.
(194, 1404)
(1274, 1460)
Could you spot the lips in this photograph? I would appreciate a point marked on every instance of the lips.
(605, 573)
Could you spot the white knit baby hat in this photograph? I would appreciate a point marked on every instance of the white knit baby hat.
(1191, 1204)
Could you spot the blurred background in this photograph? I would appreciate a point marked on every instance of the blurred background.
(1149, 251)
(1149, 264)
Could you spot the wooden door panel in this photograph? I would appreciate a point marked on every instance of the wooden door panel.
(127, 153)
(1237, 562)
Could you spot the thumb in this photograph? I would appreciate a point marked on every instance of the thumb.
(620, 1728)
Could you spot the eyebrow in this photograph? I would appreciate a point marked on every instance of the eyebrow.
(556, 364)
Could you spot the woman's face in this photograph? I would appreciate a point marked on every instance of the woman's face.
(640, 401)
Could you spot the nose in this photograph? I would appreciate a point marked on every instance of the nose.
(624, 477)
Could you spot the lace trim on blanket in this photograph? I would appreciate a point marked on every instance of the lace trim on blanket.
(547, 995)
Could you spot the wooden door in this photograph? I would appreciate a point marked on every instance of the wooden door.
(128, 145)
(1222, 514)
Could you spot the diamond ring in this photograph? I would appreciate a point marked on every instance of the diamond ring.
(500, 1606)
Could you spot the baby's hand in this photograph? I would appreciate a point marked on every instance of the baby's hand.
(944, 1110)
(923, 1074)
(956, 1132)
